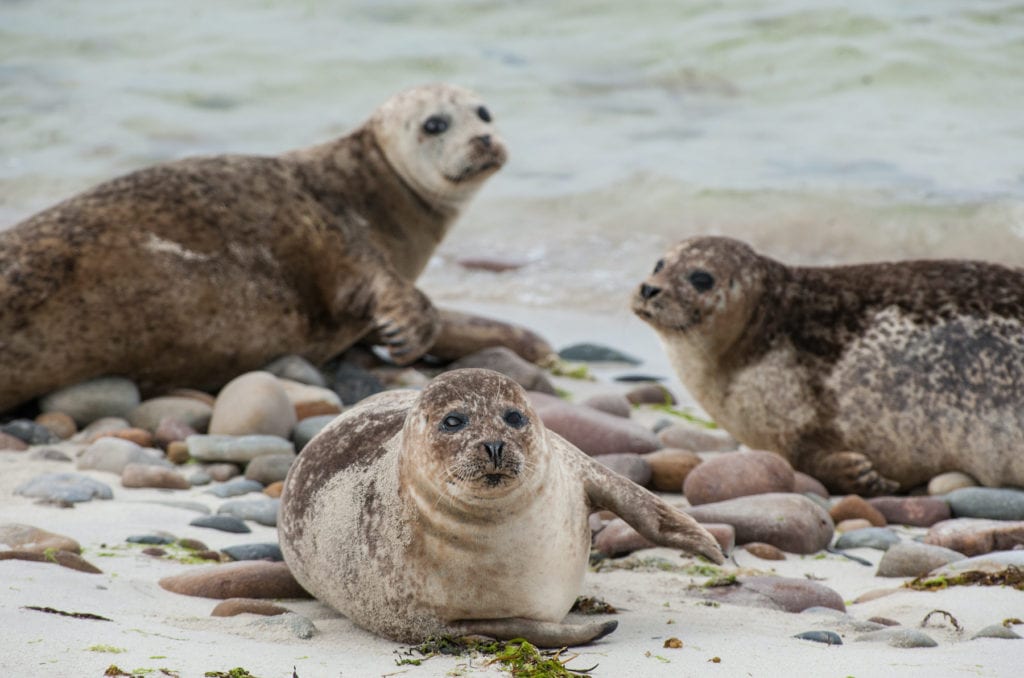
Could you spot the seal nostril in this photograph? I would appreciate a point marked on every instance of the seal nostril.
(485, 140)
(648, 291)
(494, 450)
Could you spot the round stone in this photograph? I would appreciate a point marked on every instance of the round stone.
(254, 403)
(91, 400)
(737, 474)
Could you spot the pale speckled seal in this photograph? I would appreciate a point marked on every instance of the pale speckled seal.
(864, 376)
(192, 272)
(454, 511)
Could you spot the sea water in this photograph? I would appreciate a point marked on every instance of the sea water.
(821, 132)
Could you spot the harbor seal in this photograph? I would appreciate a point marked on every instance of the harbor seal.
(192, 272)
(453, 511)
(867, 377)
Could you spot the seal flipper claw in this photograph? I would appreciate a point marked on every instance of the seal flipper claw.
(540, 633)
(849, 473)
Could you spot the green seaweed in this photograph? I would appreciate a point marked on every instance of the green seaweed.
(237, 672)
(106, 648)
(519, 657)
(1012, 576)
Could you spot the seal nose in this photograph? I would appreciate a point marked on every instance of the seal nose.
(484, 140)
(494, 449)
(648, 291)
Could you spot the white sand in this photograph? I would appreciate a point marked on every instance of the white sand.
(157, 629)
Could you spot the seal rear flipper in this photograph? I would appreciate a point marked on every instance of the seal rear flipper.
(540, 633)
(848, 473)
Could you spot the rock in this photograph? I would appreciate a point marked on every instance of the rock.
(222, 523)
(177, 453)
(91, 400)
(987, 502)
(696, 439)
(286, 625)
(254, 552)
(311, 401)
(595, 353)
(853, 506)
(618, 538)
(236, 449)
(997, 631)
(254, 403)
(236, 606)
(853, 524)
(193, 545)
(353, 383)
(724, 534)
(669, 468)
(899, 637)
(151, 539)
(996, 562)
(826, 637)
(875, 594)
(778, 593)
(915, 511)
(189, 411)
(490, 264)
(883, 621)
(263, 511)
(764, 551)
(113, 454)
(463, 334)
(48, 454)
(401, 377)
(62, 425)
(610, 403)
(139, 436)
(296, 368)
(505, 361)
(269, 468)
(274, 489)
(944, 483)
(737, 474)
(105, 425)
(976, 536)
(790, 522)
(155, 552)
(200, 478)
(805, 484)
(632, 466)
(880, 538)
(912, 559)
(251, 579)
(64, 487)
(142, 475)
(29, 432)
(12, 443)
(594, 432)
(22, 537)
(236, 488)
(309, 427)
(650, 394)
(223, 472)
(193, 394)
(62, 558)
(171, 430)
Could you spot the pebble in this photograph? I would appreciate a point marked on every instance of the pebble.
(192, 544)
(914, 511)
(875, 594)
(309, 427)
(779, 593)
(826, 637)
(113, 454)
(155, 552)
(274, 489)
(139, 436)
(12, 443)
(222, 523)
(189, 411)
(177, 453)
(63, 558)
(254, 403)
(250, 579)
(150, 539)
(854, 506)
(263, 511)
(764, 551)
(669, 468)
(223, 472)
(632, 466)
(64, 487)
(945, 483)
(737, 474)
(30, 432)
(997, 631)
(976, 536)
(23, 537)
(352, 383)
(491, 264)
(193, 394)
(853, 524)
(268, 551)
(236, 488)
(288, 623)
(618, 538)
(913, 559)
(62, 425)
(236, 606)
(236, 449)
(879, 538)
(993, 563)
(144, 475)
(650, 394)
(193, 506)
(696, 438)
(296, 368)
(269, 468)
(987, 502)
(805, 484)
(199, 478)
(790, 522)
(594, 432)
(507, 362)
(48, 454)
(610, 403)
(596, 353)
(899, 637)
(171, 430)
(94, 399)
(310, 401)
(103, 425)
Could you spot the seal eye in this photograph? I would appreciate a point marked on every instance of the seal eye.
(484, 114)
(435, 124)
(453, 421)
(515, 419)
(702, 281)
(660, 265)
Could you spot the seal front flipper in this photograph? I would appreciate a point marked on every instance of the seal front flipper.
(648, 514)
(848, 473)
(540, 633)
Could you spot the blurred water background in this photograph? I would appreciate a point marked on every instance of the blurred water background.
(819, 131)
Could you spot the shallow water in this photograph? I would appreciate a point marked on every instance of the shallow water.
(819, 131)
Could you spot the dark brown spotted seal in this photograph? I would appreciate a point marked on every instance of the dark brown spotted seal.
(191, 272)
(454, 511)
(867, 377)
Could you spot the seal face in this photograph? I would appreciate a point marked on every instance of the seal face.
(191, 272)
(864, 376)
(454, 511)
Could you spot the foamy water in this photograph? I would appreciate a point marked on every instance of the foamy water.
(821, 132)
